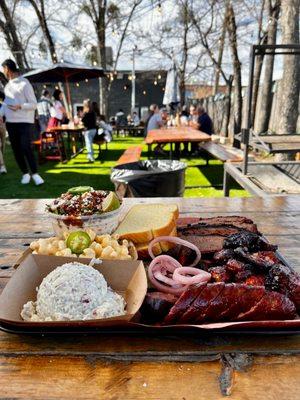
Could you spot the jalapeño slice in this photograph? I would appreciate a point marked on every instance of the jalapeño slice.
(78, 241)
(79, 189)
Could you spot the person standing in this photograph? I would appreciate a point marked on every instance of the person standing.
(3, 169)
(44, 110)
(89, 120)
(57, 110)
(18, 108)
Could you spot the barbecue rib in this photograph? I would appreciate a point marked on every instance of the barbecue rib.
(230, 302)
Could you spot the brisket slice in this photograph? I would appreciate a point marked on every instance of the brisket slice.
(272, 306)
(226, 219)
(206, 244)
(222, 230)
(182, 304)
(197, 310)
(245, 298)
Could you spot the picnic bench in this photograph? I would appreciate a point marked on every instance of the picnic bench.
(156, 366)
(132, 154)
(219, 152)
(264, 179)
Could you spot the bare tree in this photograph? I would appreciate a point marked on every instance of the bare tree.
(289, 91)
(289, 96)
(264, 112)
(39, 8)
(237, 75)
(9, 29)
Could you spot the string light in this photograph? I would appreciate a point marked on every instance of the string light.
(163, 89)
(45, 86)
(62, 60)
(125, 87)
(130, 77)
(77, 84)
(56, 87)
(144, 92)
(159, 76)
(95, 63)
(86, 80)
(155, 83)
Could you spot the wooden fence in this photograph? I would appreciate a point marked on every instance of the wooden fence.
(216, 108)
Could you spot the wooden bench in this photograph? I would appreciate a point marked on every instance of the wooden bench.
(132, 154)
(220, 152)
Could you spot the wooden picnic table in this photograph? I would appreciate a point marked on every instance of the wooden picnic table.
(74, 138)
(175, 135)
(139, 366)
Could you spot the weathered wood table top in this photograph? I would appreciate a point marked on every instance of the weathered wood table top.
(178, 134)
(111, 366)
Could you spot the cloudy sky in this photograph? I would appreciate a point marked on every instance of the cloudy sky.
(148, 19)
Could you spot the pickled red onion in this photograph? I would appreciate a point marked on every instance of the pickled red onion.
(199, 276)
(157, 272)
(176, 240)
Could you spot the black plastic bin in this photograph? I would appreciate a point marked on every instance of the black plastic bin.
(149, 178)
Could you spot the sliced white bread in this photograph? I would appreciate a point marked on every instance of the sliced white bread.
(158, 248)
(144, 222)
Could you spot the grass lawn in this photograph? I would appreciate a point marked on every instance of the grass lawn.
(59, 177)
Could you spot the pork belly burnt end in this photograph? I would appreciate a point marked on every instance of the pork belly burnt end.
(250, 241)
(286, 281)
(219, 274)
(262, 260)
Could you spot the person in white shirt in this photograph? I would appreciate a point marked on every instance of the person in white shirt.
(154, 119)
(18, 108)
(57, 111)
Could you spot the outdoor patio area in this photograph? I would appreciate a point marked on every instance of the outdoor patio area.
(78, 171)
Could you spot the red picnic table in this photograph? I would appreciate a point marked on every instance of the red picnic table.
(181, 134)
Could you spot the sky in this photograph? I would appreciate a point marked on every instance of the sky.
(147, 19)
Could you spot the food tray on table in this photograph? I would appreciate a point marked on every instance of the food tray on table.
(124, 327)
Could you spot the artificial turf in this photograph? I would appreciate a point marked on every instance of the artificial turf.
(201, 180)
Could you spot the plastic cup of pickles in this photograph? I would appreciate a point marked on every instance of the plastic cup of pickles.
(105, 221)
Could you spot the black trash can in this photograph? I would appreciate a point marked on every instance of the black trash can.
(149, 178)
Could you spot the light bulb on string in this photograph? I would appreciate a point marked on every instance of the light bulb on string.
(95, 63)
(144, 92)
(159, 76)
(86, 80)
(155, 83)
(77, 84)
(129, 77)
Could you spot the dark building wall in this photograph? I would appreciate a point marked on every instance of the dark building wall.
(120, 92)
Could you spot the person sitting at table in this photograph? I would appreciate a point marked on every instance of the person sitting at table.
(154, 121)
(57, 111)
(135, 119)
(105, 129)
(121, 119)
(89, 120)
(204, 124)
